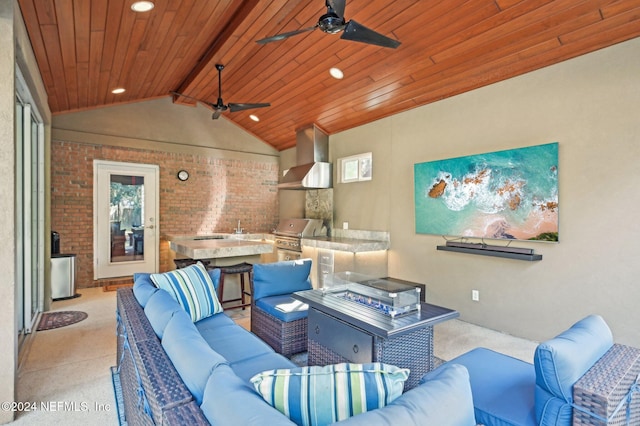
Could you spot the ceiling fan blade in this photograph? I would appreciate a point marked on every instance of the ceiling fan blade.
(182, 95)
(282, 36)
(337, 6)
(242, 107)
(357, 32)
(216, 113)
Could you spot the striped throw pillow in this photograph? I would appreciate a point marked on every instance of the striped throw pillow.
(323, 395)
(193, 288)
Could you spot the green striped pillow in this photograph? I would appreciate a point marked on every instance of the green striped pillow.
(323, 395)
(193, 288)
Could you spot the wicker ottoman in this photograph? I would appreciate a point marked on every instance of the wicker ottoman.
(286, 338)
(606, 386)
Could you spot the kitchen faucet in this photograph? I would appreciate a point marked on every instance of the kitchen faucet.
(238, 230)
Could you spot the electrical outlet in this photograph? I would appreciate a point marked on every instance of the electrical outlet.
(345, 225)
(475, 295)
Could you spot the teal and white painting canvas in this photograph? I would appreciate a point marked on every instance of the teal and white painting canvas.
(510, 194)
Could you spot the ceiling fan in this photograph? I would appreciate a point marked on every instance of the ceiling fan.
(333, 22)
(219, 107)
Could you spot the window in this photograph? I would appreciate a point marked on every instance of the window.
(355, 168)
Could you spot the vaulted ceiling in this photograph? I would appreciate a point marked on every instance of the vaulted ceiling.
(85, 49)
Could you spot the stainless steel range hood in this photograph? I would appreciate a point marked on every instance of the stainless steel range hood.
(312, 170)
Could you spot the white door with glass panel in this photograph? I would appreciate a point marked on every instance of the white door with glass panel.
(125, 218)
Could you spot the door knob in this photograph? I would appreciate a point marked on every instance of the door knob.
(150, 227)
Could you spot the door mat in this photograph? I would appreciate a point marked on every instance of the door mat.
(51, 320)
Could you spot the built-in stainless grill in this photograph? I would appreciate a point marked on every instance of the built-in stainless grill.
(289, 232)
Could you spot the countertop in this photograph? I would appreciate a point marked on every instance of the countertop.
(227, 245)
(353, 245)
(220, 236)
(219, 247)
(351, 240)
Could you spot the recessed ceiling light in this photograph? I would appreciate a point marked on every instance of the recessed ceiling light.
(336, 73)
(118, 91)
(142, 6)
(254, 117)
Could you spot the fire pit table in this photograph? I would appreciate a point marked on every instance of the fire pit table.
(356, 318)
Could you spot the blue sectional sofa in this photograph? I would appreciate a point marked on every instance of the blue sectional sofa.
(174, 371)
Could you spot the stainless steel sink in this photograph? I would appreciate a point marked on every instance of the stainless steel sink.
(210, 237)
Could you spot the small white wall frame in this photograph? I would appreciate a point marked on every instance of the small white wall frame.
(356, 168)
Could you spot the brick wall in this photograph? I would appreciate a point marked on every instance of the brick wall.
(219, 192)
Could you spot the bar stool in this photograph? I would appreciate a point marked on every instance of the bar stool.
(183, 263)
(240, 268)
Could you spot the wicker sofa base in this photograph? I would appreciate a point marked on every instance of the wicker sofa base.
(286, 338)
(605, 386)
(413, 350)
(153, 392)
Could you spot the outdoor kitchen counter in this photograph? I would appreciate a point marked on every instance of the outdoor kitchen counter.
(351, 240)
(220, 246)
(345, 244)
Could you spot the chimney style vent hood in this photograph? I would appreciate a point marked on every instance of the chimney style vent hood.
(312, 170)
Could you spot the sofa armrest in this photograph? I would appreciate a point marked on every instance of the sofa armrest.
(604, 394)
(150, 384)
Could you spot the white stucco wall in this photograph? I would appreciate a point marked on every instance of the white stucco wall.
(8, 349)
(590, 106)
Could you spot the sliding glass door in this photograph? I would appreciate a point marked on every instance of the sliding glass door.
(30, 241)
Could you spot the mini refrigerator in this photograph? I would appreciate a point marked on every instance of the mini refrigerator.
(63, 276)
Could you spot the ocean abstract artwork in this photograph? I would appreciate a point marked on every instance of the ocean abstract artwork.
(510, 194)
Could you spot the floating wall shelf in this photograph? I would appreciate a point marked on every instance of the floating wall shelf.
(488, 250)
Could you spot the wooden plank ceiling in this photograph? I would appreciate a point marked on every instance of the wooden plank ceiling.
(85, 49)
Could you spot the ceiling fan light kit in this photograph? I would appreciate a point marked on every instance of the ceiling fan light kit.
(333, 22)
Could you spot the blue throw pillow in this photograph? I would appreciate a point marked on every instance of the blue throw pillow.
(193, 288)
(272, 279)
(324, 395)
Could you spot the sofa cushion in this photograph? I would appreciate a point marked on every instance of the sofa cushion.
(193, 288)
(249, 367)
(285, 307)
(561, 361)
(322, 395)
(228, 400)
(443, 398)
(503, 387)
(143, 288)
(159, 310)
(192, 357)
(214, 322)
(271, 279)
(234, 342)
